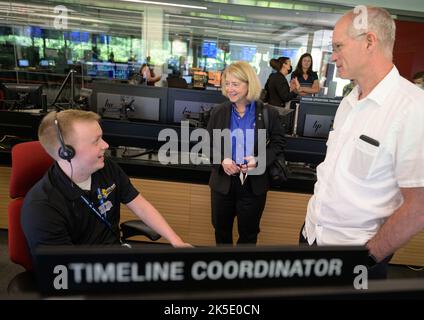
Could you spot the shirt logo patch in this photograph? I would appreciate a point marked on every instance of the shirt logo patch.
(104, 193)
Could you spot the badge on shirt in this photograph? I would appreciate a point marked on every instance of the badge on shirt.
(105, 207)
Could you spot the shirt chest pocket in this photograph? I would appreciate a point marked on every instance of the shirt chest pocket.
(363, 158)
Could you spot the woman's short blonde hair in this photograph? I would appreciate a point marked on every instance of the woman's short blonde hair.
(243, 71)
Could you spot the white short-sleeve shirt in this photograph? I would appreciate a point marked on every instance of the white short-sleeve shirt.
(358, 184)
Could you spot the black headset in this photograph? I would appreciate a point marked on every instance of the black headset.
(66, 152)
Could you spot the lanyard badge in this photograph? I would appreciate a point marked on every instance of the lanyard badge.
(104, 207)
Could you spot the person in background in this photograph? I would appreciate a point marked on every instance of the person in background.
(348, 88)
(278, 89)
(306, 80)
(111, 57)
(418, 79)
(235, 193)
(147, 74)
(77, 202)
(370, 187)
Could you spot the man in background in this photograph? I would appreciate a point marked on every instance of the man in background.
(419, 79)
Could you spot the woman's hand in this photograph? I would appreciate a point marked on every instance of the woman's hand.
(251, 164)
(230, 166)
(295, 85)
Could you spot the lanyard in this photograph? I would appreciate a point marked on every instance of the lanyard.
(102, 217)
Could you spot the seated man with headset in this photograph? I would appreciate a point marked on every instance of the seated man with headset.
(77, 202)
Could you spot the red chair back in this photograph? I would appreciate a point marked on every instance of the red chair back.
(29, 163)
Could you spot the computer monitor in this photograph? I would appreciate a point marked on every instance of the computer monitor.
(23, 63)
(188, 79)
(44, 63)
(316, 116)
(181, 102)
(24, 96)
(317, 126)
(123, 102)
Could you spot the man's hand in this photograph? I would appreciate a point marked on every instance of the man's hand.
(178, 243)
(184, 245)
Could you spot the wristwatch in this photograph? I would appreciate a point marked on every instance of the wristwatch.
(372, 261)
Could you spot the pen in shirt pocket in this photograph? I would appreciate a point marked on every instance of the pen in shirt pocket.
(369, 140)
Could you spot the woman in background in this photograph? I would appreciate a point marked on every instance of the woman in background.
(304, 78)
(279, 90)
(235, 192)
(148, 75)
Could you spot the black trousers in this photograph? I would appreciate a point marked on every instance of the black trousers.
(240, 202)
(378, 271)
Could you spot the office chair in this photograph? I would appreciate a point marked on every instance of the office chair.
(29, 163)
(176, 82)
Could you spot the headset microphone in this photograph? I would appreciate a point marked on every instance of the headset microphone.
(66, 152)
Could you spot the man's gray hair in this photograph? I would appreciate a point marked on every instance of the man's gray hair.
(381, 23)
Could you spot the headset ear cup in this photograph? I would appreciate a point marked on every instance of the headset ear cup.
(67, 152)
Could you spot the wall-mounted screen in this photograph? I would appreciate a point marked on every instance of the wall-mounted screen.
(36, 32)
(77, 36)
(209, 49)
(242, 52)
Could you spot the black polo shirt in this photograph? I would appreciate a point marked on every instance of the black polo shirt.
(54, 213)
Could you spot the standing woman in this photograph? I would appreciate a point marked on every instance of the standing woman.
(235, 193)
(305, 79)
(277, 86)
(148, 75)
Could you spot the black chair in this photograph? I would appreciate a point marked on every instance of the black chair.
(176, 82)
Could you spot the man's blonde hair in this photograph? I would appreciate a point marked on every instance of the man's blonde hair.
(381, 23)
(48, 131)
(245, 73)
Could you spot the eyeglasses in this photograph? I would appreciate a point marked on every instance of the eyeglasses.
(233, 84)
(338, 46)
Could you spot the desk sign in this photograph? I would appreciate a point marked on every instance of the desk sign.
(64, 270)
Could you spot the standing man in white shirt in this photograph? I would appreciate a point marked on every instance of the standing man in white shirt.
(370, 187)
